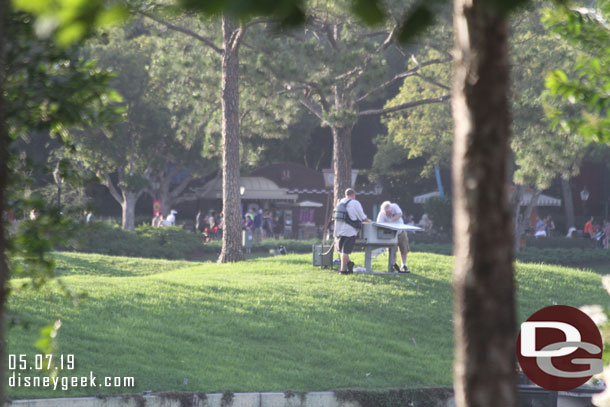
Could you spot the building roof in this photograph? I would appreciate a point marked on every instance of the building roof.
(543, 200)
(253, 188)
(292, 176)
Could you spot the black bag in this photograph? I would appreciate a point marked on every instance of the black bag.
(340, 213)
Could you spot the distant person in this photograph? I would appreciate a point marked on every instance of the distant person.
(345, 234)
(220, 225)
(549, 225)
(171, 218)
(90, 218)
(391, 213)
(211, 226)
(268, 225)
(589, 230)
(211, 220)
(540, 228)
(199, 222)
(425, 223)
(165, 222)
(258, 226)
(249, 222)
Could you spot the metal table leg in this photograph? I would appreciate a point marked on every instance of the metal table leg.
(367, 258)
(391, 254)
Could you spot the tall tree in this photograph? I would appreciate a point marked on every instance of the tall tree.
(228, 52)
(335, 67)
(265, 114)
(484, 289)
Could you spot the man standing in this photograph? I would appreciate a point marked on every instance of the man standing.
(346, 233)
(589, 229)
(391, 213)
(258, 226)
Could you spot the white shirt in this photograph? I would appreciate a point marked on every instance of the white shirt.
(354, 211)
(395, 210)
(382, 218)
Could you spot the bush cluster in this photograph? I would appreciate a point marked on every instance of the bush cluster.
(573, 256)
(167, 242)
(560, 242)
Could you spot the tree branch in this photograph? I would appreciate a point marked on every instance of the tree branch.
(235, 39)
(388, 40)
(411, 72)
(183, 30)
(432, 81)
(307, 102)
(329, 36)
(375, 112)
(386, 84)
(181, 187)
(107, 182)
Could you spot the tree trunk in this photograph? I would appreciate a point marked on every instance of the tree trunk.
(342, 160)
(568, 203)
(129, 209)
(231, 199)
(164, 196)
(484, 304)
(4, 142)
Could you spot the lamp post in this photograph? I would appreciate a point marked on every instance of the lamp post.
(584, 197)
(58, 180)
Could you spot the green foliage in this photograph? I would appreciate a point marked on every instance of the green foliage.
(165, 243)
(425, 131)
(71, 21)
(440, 211)
(564, 256)
(566, 252)
(586, 30)
(227, 316)
(46, 89)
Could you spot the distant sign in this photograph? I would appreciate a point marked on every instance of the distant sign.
(156, 207)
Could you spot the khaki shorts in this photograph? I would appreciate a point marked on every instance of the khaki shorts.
(403, 243)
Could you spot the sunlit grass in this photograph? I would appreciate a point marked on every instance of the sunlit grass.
(269, 324)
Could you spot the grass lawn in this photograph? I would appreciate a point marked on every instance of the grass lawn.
(269, 324)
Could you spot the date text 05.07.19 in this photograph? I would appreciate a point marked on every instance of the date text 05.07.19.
(39, 361)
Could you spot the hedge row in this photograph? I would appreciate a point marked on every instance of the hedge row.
(166, 242)
(175, 243)
(551, 255)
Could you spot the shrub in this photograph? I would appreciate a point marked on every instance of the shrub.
(559, 242)
(165, 242)
(440, 210)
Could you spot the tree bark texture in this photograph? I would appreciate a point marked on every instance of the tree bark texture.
(568, 203)
(342, 160)
(231, 199)
(129, 209)
(4, 143)
(484, 305)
